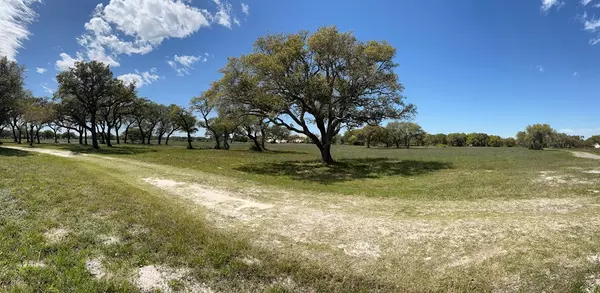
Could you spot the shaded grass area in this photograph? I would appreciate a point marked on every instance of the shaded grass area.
(345, 169)
(42, 193)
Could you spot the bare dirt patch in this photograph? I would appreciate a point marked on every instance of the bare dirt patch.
(109, 239)
(95, 267)
(64, 154)
(33, 264)
(56, 235)
(221, 201)
(152, 278)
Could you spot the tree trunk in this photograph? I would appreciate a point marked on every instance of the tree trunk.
(37, 135)
(217, 142)
(126, 134)
(326, 154)
(117, 135)
(85, 136)
(20, 135)
(69, 135)
(169, 136)
(108, 144)
(189, 139)
(94, 134)
(159, 137)
(263, 138)
(256, 143)
(368, 143)
(143, 136)
(31, 135)
(55, 136)
(14, 131)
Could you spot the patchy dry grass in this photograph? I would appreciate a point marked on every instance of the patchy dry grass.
(534, 232)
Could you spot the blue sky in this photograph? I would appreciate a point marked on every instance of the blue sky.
(469, 66)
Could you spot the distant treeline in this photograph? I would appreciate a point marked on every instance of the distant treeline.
(407, 134)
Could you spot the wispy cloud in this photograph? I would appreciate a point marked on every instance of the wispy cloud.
(183, 64)
(587, 132)
(15, 15)
(245, 8)
(575, 73)
(140, 79)
(540, 68)
(46, 88)
(40, 70)
(548, 4)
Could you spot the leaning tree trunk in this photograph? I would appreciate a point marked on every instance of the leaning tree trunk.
(169, 136)
(256, 143)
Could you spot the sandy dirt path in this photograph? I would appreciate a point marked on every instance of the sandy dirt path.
(359, 235)
(585, 155)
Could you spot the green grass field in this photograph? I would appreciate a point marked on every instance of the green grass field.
(138, 218)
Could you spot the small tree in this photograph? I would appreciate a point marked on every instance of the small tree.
(457, 139)
(495, 141)
(538, 136)
(510, 142)
(186, 122)
(403, 133)
(91, 85)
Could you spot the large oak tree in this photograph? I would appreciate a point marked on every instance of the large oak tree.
(328, 79)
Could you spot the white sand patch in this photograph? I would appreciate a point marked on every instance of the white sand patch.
(56, 235)
(95, 267)
(594, 258)
(59, 153)
(592, 284)
(592, 172)
(152, 278)
(552, 178)
(211, 198)
(594, 191)
(109, 240)
(478, 257)
(286, 283)
(33, 264)
(585, 155)
(361, 249)
(250, 261)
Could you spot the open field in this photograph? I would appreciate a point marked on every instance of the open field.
(438, 219)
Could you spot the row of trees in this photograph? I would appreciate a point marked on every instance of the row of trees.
(406, 134)
(313, 85)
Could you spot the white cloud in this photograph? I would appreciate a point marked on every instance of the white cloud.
(245, 8)
(66, 61)
(40, 70)
(223, 15)
(140, 78)
(575, 73)
(591, 25)
(540, 68)
(586, 132)
(595, 41)
(548, 4)
(140, 26)
(585, 2)
(15, 15)
(237, 21)
(183, 64)
(46, 88)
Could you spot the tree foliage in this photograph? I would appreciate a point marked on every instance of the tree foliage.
(329, 79)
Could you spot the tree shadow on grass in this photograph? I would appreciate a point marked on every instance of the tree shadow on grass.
(345, 170)
(4, 152)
